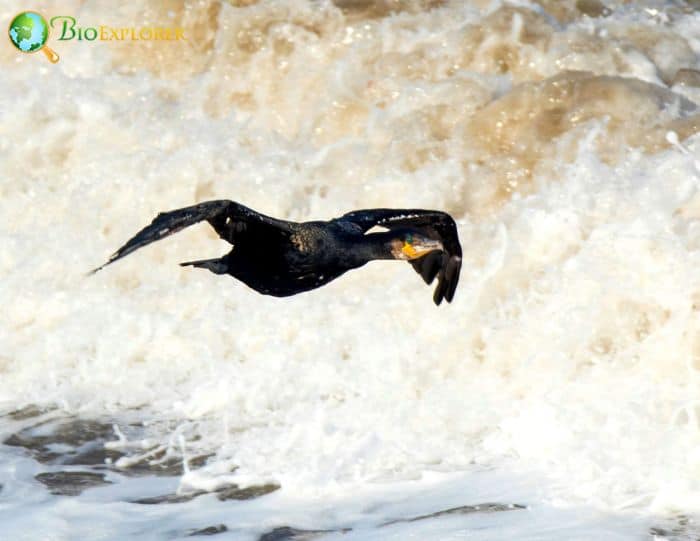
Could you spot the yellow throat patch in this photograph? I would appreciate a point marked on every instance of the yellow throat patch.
(409, 250)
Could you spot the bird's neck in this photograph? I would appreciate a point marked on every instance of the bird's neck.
(373, 246)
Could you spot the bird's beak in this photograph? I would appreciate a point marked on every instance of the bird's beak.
(420, 247)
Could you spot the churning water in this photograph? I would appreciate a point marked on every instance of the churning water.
(558, 396)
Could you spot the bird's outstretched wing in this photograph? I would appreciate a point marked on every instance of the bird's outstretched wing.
(228, 218)
(434, 224)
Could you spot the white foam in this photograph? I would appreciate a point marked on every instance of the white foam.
(571, 348)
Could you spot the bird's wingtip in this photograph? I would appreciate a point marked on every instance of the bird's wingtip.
(95, 270)
(111, 259)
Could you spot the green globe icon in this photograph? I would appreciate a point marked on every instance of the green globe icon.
(29, 32)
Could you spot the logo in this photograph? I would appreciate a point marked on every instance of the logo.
(70, 30)
(29, 32)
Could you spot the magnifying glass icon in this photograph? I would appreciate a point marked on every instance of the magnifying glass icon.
(29, 32)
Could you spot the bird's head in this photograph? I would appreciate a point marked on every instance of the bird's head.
(411, 245)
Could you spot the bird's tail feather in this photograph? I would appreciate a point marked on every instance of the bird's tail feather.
(217, 266)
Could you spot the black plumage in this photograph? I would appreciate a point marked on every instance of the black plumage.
(282, 258)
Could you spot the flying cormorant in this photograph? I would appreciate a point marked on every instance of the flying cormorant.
(281, 258)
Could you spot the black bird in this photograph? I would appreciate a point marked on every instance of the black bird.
(281, 258)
